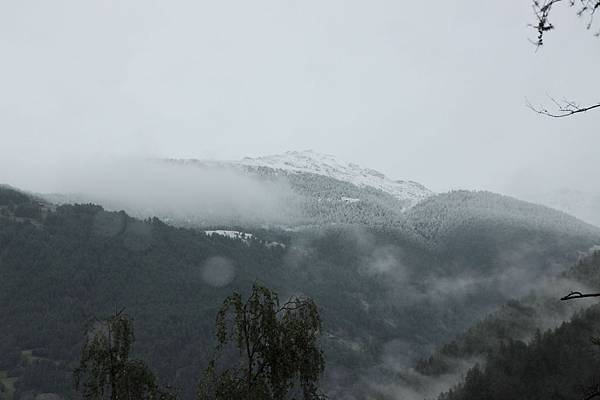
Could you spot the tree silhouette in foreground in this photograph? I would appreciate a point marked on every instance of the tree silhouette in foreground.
(274, 346)
(543, 10)
(105, 370)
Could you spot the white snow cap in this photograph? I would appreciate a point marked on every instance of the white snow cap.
(309, 161)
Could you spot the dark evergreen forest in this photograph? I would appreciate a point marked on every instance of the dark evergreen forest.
(61, 266)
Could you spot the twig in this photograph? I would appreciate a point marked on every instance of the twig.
(564, 109)
(594, 393)
(579, 295)
(543, 8)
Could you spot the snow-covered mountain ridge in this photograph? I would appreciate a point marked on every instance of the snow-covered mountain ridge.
(311, 162)
(310, 188)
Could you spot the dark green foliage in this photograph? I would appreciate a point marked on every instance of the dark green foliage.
(106, 371)
(558, 364)
(14, 202)
(9, 196)
(28, 210)
(517, 319)
(277, 347)
(43, 376)
(83, 260)
(79, 261)
(10, 354)
(587, 270)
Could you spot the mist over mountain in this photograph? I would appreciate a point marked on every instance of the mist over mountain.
(528, 349)
(311, 162)
(165, 233)
(291, 190)
(390, 290)
(580, 203)
(517, 322)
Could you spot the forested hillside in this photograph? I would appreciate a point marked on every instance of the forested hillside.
(517, 321)
(381, 292)
(561, 363)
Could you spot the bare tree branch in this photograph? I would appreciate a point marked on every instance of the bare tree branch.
(564, 108)
(543, 8)
(579, 295)
(593, 393)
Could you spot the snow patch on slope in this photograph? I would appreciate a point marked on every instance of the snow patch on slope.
(327, 165)
(243, 236)
(230, 234)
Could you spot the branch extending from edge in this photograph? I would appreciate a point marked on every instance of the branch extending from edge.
(579, 295)
(543, 8)
(594, 393)
(565, 108)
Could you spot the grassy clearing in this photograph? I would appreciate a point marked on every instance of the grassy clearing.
(10, 385)
(28, 354)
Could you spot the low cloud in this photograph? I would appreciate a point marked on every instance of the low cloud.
(412, 385)
(386, 260)
(146, 188)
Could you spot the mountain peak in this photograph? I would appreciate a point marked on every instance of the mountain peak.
(310, 161)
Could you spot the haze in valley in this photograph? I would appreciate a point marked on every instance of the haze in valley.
(423, 91)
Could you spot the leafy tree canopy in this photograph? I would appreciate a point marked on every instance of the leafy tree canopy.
(107, 372)
(277, 346)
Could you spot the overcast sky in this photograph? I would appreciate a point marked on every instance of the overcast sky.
(429, 91)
